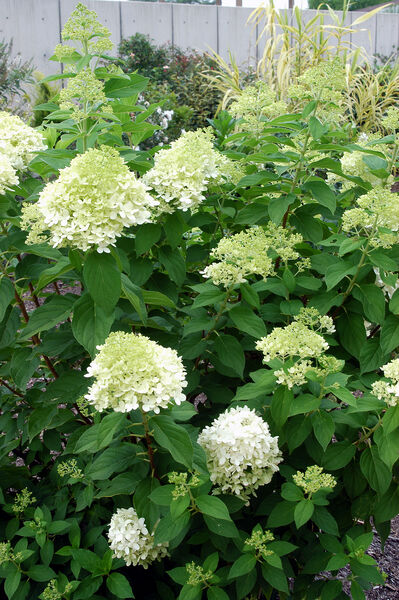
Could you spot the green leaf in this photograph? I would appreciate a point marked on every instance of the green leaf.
(389, 338)
(375, 470)
(6, 295)
(357, 592)
(337, 271)
(173, 263)
(291, 492)
(12, 582)
(281, 405)
(22, 366)
(173, 438)
(325, 521)
(190, 592)
(216, 593)
(62, 266)
(157, 299)
(103, 280)
(213, 507)
(338, 455)
(111, 461)
(352, 333)
(134, 295)
(322, 193)
(90, 323)
(147, 235)
(41, 573)
(119, 586)
(393, 303)
(39, 419)
(170, 527)
(275, 577)
(57, 309)
(87, 560)
(391, 419)
(230, 353)
(243, 565)
(323, 427)
(278, 207)
(221, 527)
(303, 512)
(282, 514)
(247, 321)
(209, 296)
(316, 128)
(373, 300)
(100, 435)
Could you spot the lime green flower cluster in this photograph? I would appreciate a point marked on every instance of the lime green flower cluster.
(388, 390)
(7, 554)
(376, 217)
(182, 173)
(51, 591)
(22, 501)
(299, 340)
(18, 145)
(325, 81)
(182, 486)
(89, 204)
(84, 95)
(197, 575)
(69, 468)
(131, 371)
(313, 480)
(352, 163)
(84, 26)
(296, 339)
(390, 121)
(311, 317)
(259, 541)
(256, 104)
(8, 175)
(251, 252)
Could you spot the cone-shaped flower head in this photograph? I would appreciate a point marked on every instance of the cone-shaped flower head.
(131, 371)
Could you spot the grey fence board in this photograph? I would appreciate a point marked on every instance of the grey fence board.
(35, 27)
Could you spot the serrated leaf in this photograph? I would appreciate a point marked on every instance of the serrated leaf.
(103, 280)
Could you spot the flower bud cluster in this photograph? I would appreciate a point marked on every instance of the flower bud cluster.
(376, 216)
(313, 480)
(257, 103)
(22, 501)
(197, 575)
(259, 540)
(70, 469)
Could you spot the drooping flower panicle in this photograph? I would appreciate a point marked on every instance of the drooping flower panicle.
(130, 539)
(89, 204)
(133, 372)
(241, 453)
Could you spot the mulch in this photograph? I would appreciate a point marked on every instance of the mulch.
(388, 561)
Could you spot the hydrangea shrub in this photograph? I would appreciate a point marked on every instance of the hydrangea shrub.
(199, 346)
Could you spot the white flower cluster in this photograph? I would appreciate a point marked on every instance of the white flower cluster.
(251, 252)
(241, 453)
(89, 204)
(130, 539)
(388, 290)
(8, 175)
(300, 340)
(18, 145)
(352, 163)
(182, 173)
(131, 371)
(388, 390)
